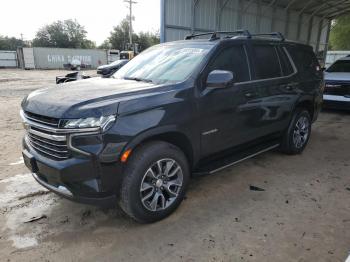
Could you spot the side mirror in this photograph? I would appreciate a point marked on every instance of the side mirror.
(219, 79)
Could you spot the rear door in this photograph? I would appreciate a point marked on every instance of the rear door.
(276, 83)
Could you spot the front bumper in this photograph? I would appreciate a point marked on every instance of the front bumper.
(87, 179)
(336, 102)
(60, 190)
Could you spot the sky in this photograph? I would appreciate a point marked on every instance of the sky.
(98, 17)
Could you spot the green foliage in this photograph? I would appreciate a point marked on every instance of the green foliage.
(11, 43)
(340, 33)
(63, 34)
(145, 40)
(119, 38)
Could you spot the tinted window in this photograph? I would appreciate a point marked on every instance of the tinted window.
(342, 66)
(305, 60)
(266, 62)
(287, 67)
(233, 59)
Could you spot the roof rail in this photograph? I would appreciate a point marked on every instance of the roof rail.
(188, 37)
(273, 34)
(246, 33)
(215, 37)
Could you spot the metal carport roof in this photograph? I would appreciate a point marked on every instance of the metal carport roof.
(328, 9)
(307, 21)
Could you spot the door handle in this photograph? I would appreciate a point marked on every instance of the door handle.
(289, 88)
(250, 95)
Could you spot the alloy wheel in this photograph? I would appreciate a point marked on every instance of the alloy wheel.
(301, 132)
(161, 184)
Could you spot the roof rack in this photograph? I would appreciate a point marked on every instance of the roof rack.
(273, 34)
(246, 33)
(214, 35)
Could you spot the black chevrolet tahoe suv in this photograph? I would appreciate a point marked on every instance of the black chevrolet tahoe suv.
(177, 110)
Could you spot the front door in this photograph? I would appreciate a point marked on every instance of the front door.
(225, 112)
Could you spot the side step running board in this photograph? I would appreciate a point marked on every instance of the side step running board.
(230, 161)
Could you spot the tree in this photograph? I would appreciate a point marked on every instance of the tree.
(145, 40)
(11, 43)
(340, 33)
(119, 38)
(63, 34)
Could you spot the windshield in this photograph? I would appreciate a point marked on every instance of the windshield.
(164, 63)
(341, 66)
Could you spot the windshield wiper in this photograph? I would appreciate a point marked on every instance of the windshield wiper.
(139, 79)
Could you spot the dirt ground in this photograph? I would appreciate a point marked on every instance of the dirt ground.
(303, 214)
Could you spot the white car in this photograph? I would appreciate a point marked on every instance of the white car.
(337, 89)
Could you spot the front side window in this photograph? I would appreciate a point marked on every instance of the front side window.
(266, 62)
(233, 59)
(165, 63)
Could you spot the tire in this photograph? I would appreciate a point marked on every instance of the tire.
(144, 180)
(297, 135)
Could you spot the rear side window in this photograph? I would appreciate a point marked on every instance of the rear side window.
(305, 60)
(286, 65)
(266, 62)
(233, 59)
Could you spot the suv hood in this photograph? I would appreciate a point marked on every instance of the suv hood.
(337, 77)
(86, 98)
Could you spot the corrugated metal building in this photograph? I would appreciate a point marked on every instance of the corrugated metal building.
(306, 21)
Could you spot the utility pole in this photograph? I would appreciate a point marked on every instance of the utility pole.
(130, 2)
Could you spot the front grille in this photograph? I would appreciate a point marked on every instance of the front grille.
(49, 145)
(43, 120)
(42, 137)
(337, 89)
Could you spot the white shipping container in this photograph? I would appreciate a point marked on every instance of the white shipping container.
(8, 58)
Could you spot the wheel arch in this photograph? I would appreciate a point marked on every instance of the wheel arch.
(307, 104)
(170, 135)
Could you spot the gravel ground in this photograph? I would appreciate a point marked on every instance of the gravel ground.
(303, 214)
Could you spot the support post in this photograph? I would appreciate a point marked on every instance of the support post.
(319, 32)
(162, 21)
(239, 15)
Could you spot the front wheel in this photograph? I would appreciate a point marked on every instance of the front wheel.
(298, 133)
(156, 178)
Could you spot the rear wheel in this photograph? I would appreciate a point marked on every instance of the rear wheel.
(298, 133)
(156, 177)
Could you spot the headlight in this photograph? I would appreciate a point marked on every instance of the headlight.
(104, 122)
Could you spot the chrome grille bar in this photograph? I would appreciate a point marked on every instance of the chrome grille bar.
(41, 121)
(47, 141)
(47, 136)
(46, 152)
